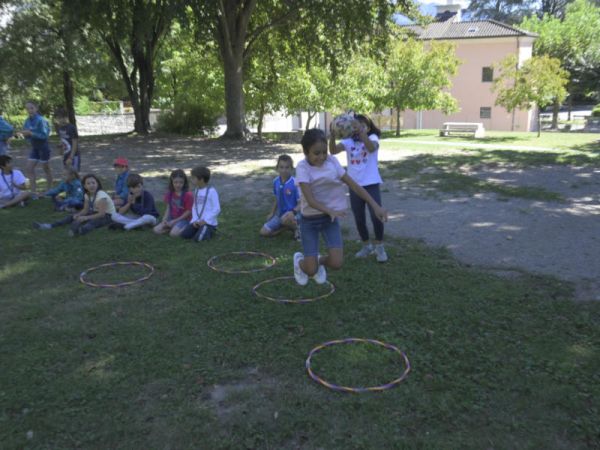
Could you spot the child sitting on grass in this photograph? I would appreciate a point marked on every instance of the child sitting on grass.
(71, 186)
(121, 166)
(140, 209)
(179, 205)
(12, 184)
(287, 197)
(97, 210)
(206, 207)
(322, 181)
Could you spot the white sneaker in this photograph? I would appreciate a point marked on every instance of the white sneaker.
(42, 226)
(299, 275)
(365, 251)
(381, 254)
(321, 276)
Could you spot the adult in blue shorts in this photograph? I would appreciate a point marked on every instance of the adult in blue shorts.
(37, 130)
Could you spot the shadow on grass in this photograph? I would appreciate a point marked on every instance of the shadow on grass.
(443, 172)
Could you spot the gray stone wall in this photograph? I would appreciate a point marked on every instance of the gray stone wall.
(109, 123)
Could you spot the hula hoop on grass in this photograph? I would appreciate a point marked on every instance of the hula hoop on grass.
(286, 300)
(357, 390)
(117, 285)
(211, 262)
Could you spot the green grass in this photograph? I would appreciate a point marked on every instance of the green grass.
(557, 140)
(190, 359)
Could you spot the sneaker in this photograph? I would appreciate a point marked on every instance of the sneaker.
(42, 226)
(116, 226)
(381, 254)
(71, 233)
(321, 276)
(365, 251)
(34, 197)
(299, 275)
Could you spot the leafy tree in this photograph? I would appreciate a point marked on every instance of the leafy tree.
(539, 81)
(508, 11)
(133, 31)
(189, 83)
(42, 51)
(418, 76)
(575, 41)
(319, 29)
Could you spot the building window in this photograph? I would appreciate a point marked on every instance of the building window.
(485, 112)
(487, 74)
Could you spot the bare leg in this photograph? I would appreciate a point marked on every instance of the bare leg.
(30, 169)
(48, 171)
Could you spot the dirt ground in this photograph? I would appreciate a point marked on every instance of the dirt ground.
(507, 236)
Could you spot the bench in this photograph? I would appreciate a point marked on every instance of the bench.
(474, 128)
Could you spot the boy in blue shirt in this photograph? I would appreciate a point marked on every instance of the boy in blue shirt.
(73, 190)
(36, 130)
(285, 209)
(6, 132)
(121, 194)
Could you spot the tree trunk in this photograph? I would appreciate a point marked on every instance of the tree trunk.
(310, 116)
(146, 88)
(570, 107)
(539, 121)
(234, 97)
(555, 109)
(261, 117)
(397, 122)
(68, 92)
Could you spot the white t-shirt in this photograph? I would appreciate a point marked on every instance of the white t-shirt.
(362, 165)
(325, 183)
(212, 208)
(9, 183)
(110, 206)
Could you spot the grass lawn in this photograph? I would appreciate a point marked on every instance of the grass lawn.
(557, 140)
(190, 359)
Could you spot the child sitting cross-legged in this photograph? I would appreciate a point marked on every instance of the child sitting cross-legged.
(71, 186)
(287, 197)
(140, 209)
(12, 184)
(206, 207)
(97, 210)
(179, 205)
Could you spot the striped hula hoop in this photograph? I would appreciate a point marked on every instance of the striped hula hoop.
(255, 291)
(212, 265)
(357, 390)
(113, 264)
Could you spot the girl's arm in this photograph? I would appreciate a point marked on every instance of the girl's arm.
(334, 148)
(86, 206)
(370, 145)
(360, 191)
(102, 205)
(186, 215)
(166, 215)
(313, 203)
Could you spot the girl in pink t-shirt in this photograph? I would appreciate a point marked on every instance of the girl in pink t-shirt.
(323, 184)
(179, 203)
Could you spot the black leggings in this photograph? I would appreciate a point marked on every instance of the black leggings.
(358, 209)
(83, 227)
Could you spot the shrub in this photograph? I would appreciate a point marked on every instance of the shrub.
(188, 118)
(596, 111)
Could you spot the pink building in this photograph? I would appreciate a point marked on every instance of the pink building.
(479, 45)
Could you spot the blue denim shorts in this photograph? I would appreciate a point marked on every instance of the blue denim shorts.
(40, 152)
(312, 226)
(274, 223)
